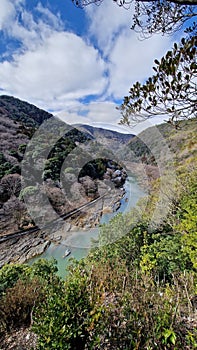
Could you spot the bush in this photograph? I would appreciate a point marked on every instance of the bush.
(22, 288)
(27, 192)
(62, 320)
(17, 304)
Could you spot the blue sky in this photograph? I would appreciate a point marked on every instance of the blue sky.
(78, 64)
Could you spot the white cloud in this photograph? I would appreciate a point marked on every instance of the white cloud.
(21, 25)
(94, 113)
(7, 13)
(131, 60)
(51, 67)
(128, 59)
(107, 22)
(54, 71)
(104, 115)
(49, 17)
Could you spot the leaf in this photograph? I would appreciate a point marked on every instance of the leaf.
(173, 338)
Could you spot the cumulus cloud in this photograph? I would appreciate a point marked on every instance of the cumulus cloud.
(128, 59)
(106, 23)
(57, 70)
(25, 27)
(131, 60)
(104, 115)
(53, 66)
(95, 113)
(54, 71)
(7, 13)
(54, 20)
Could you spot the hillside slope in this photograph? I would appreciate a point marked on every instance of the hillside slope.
(21, 111)
(64, 161)
(137, 290)
(147, 145)
(19, 121)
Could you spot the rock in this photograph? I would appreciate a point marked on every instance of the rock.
(109, 172)
(57, 238)
(117, 173)
(118, 181)
(38, 250)
(116, 206)
(77, 194)
(14, 241)
(106, 210)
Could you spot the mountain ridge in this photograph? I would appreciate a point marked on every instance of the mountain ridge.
(95, 132)
(18, 122)
(22, 111)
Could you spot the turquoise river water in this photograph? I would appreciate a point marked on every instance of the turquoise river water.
(79, 242)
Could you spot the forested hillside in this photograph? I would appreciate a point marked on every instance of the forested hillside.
(19, 122)
(43, 157)
(137, 291)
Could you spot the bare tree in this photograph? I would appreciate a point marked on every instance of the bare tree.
(11, 184)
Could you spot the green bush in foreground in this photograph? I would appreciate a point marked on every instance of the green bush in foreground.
(135, 293)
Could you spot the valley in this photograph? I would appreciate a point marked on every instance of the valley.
(130, 209)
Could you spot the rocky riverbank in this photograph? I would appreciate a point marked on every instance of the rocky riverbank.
(21, 249)
(144, 173)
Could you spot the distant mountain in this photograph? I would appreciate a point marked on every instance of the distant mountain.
(101, 134)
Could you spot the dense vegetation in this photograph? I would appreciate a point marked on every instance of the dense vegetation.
(28, 114)
(137, 291)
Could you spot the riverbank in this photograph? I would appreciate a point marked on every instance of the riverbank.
(20, 250)
(80, 241)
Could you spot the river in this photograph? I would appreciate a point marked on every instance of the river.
(79, 242)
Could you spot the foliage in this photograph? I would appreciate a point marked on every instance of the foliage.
(22, 147)
(134, 292)
(53, 156)
(187, 223)
(11, 185)
(24, 112)
(65, 315)
(6, 167)
(97, 167)
(103, 305)
(9, 274)
(162, 16)
(16, 305)
(171, 91)
(22, 287)
(28, 191)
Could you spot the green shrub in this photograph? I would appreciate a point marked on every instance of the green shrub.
(63, 318)
(27, 192)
